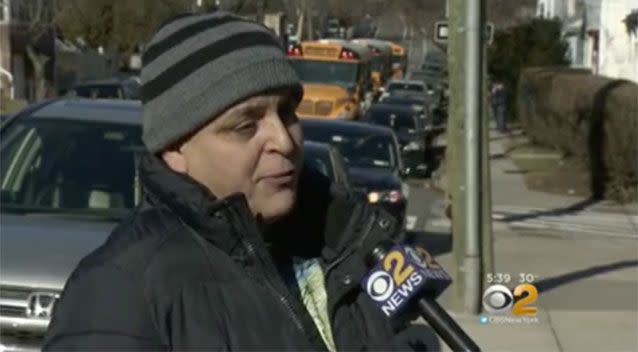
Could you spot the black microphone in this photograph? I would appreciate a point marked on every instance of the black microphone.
(401, 275)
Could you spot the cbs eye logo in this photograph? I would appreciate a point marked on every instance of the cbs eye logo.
(380, 286)
(498, 299)
(397, 274)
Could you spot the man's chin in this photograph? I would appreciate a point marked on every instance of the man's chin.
(278, 206)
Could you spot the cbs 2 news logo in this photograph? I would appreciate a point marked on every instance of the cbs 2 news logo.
(499, 299)
(402, 272)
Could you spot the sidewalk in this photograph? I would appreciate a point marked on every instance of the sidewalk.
(520, 207)
(515, 206)
(588, 294)
(586, 276)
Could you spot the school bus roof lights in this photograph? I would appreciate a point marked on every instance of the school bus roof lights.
(348, 55)
(294, 50)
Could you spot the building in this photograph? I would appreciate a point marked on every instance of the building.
(555, 8)
(581, 32)
(6, 77)
(618, 42)
(598, 34)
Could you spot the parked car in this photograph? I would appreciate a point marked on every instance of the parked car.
(326, 159)
(68, 176)
(433, 85)
(407, 123)
(405, 86)
(372, 156)
(113, 88)
(415, 102)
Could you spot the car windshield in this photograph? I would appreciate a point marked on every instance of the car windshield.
(377, 63)
(417, 104)
(69, 166)
(319, 160)
(106, 91)
(326, 72)
(405, 86)
(399, 121)
(367, 151)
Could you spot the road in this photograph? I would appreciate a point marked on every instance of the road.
(423, 204)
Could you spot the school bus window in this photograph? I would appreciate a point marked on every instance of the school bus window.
(330, 72)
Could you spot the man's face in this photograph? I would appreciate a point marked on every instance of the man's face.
(253, 148)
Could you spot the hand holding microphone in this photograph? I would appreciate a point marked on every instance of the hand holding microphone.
(401, 276)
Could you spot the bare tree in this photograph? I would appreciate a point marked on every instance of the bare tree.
(115, 24)
(508, 13)
(35, 21)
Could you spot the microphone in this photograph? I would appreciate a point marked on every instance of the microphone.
(401, 275)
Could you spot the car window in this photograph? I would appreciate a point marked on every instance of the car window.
(397, 120)
(340, 168)
(58, 164)
(319, 161)
(406, 86)
(98, 92)
(416, 104)
(360, 150)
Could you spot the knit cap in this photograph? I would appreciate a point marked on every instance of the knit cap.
(197, 66)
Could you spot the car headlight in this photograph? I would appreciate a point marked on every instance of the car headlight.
(393, 196)
(412, 146)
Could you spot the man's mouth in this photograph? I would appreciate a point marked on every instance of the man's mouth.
(280, 178)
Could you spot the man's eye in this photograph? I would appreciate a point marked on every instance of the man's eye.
(246, 127)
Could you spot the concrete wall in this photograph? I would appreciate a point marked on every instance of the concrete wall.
(618, 57)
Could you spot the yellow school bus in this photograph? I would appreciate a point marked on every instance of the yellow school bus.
(399, 60)
(335, 75)
(381, 62)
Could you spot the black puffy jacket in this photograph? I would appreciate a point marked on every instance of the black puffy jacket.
(187, 272)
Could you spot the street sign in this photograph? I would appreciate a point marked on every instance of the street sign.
(441, 31)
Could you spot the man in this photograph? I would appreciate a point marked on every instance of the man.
(234, 247)
(498, 99)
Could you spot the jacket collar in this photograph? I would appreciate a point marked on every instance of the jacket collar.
(191, 202)
(314, 228)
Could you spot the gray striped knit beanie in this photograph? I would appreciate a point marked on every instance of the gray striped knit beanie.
(197, 66)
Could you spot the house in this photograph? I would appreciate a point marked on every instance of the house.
(581, 32)
(618, 42)
(555, 8)
(16, 70)
(599, 34)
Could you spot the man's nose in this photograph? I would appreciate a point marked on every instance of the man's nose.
(280, 139)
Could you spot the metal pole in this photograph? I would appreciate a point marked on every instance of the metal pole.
(473, 75)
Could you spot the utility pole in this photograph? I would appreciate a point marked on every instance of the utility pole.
(472, 263)
(467, 155)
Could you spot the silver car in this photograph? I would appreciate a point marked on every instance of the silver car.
(68, 175)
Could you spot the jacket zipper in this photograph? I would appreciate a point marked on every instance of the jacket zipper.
(282, 298)
(269, 281)
(343, 256)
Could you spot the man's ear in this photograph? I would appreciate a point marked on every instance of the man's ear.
(175, 160)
